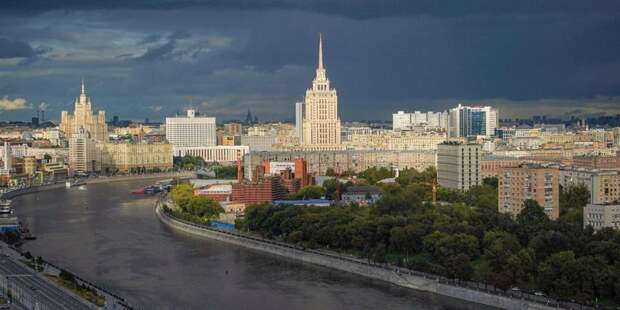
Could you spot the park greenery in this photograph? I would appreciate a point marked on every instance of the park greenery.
(225, 172)
(188, 162)
(197, 209)
(462, 237)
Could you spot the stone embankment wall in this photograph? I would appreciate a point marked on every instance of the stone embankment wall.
(404, 278)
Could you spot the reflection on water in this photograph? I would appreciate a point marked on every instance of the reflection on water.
(113, 238)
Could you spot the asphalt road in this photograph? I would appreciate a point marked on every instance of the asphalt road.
(46, 294)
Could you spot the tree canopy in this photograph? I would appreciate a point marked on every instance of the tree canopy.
(465, 238)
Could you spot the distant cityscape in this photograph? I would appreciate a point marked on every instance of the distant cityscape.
(465, 144)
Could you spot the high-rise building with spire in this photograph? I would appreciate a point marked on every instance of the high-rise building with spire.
(321, 124)
(94, 125)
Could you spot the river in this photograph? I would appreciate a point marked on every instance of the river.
(113, 238)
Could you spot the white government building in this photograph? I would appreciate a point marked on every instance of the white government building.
(195, 135)
(192, 130)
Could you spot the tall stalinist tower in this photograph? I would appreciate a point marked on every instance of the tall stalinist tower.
(321, 125)
(83, 119)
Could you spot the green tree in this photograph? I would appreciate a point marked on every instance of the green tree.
(330, 172)
(310, 192)
(491, 182)
(574, 197)
(531, 220)
(182, 194)
(559, 274)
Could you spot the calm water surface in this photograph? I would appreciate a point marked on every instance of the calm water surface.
(113, 238)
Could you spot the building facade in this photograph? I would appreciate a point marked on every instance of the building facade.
(518, 184)
(299, 121)
(191, 131)
(214, 153)
(84, 155)
(317, 162)
(458, 165)
(83, 117)
(601, 216)
(465, 121)
(125, 157)
(603, 185)
(321, 124)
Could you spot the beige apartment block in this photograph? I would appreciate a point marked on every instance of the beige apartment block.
(518, 184)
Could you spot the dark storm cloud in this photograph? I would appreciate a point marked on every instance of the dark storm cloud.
(351, 8)
(158, 52)
(144, 60)
(17, 49)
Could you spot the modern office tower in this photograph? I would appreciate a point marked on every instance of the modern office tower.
(458, 165)
(601, 216)
(299, 121)
(517, 184)
(84, 155)
(83, 117)
(321, 124)
(191, 131)
(464, 121)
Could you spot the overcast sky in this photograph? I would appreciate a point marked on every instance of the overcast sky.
(152, 58)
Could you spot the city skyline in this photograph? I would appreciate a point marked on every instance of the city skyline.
(228, 58)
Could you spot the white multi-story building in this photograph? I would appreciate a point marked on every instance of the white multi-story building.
(321, 123)
(404, 121)
(83, 153)
(465, 121)
(601, 215)
(191, 131)
(6, 159)
(299, 121)
(401, 120)
(458, 165)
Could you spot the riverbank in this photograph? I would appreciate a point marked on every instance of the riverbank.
(99, 180)
(470, 292)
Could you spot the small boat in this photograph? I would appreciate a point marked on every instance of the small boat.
(5, 207)
(147, 190)
(138, 191)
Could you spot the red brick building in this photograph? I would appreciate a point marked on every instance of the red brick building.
(265, 190)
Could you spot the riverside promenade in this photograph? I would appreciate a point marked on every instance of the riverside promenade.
(468, 291)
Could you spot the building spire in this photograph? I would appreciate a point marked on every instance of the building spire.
(320, 51)
(83, 88)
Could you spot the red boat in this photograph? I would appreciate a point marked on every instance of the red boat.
(139, 190)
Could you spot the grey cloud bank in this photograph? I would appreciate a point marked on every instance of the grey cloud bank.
(151, 59)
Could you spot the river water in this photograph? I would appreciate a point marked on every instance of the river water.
(114, 239)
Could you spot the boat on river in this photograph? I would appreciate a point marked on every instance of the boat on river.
(147, 190)
(5, 207)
